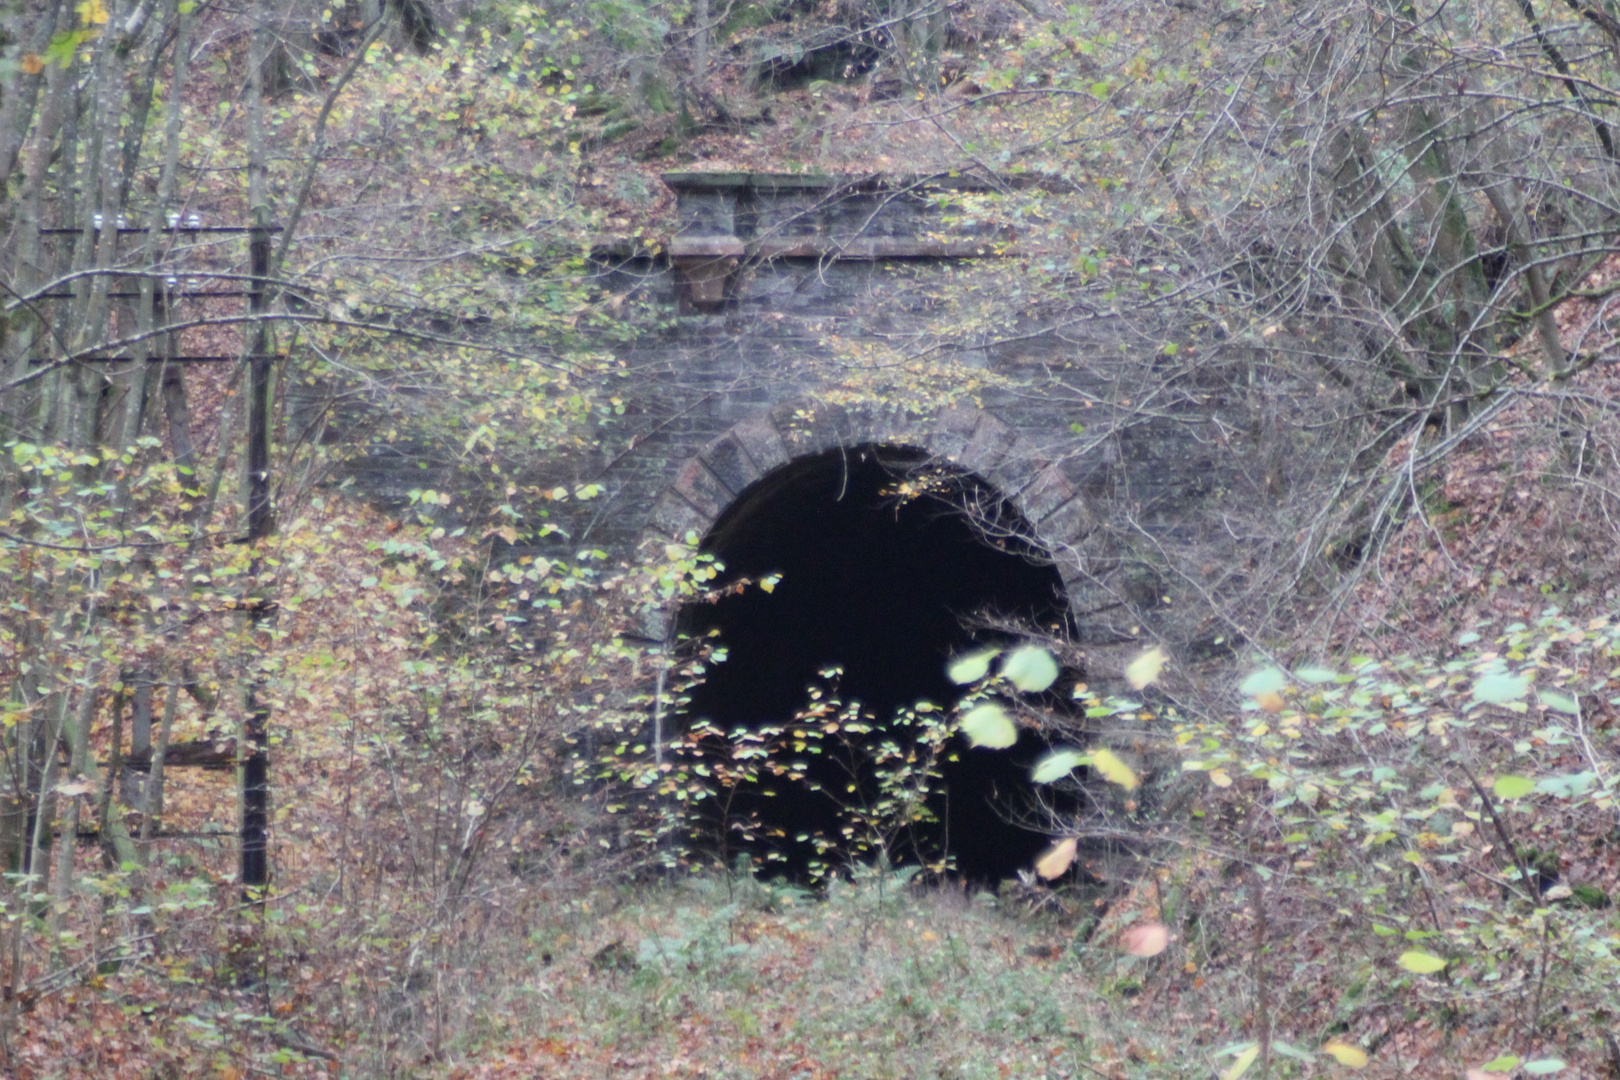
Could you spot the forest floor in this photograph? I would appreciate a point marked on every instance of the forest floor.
(711, 978)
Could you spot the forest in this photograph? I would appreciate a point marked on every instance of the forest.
(339, 737)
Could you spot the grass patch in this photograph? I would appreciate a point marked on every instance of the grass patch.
(731, 979)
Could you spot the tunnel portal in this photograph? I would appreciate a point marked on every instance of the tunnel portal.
(884, 587)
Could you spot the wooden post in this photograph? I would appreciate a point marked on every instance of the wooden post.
(256, 752)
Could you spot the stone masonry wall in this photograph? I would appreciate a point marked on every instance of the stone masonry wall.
(770, 273)
(774, 282)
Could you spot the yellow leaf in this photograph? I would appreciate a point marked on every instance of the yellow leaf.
(1420, 962)
(1057, 859)
(1270, 701)
(1345, 1054)
(1144, 670)
(1241, 1065)
(1220, 778)
(1114, 770)
(1149, 939)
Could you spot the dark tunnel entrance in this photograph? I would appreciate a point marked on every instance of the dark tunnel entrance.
(883, 587)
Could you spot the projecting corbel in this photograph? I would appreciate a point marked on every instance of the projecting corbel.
(705, 267)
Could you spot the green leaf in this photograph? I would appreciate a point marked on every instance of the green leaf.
(1568, 786)
(1315, 674)
(1269, 680)
(62, 46)
(1030, 668)
(970, 667)
(1513, 787)
(1420, 962)
(1288, 1050)
(1244, 1060)
(1500, 689)
(1501, 1063)
(1560, 702)
(1545, 1066)
(988, 725)
(1055, 766)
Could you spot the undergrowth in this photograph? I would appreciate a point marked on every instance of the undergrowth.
(727, 976)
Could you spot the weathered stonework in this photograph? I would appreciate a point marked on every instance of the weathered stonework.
(690, 507)
(738, 388)
(776, 285)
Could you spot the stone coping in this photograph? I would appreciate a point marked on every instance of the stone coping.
(770, 182)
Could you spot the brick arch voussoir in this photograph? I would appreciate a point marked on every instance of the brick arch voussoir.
(971, 438)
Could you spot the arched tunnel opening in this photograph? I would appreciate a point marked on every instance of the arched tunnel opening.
(887, 585)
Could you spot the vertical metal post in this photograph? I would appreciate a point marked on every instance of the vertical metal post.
(258, 456)
(256, 754)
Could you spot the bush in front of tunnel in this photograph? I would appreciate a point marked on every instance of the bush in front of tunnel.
(877, 777)
(986, 720)
(1450, 817)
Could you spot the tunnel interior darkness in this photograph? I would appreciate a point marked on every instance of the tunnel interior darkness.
(883, 587)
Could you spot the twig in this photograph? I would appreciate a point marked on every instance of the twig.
(1501, 833)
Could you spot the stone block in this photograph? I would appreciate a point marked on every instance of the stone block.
(1016, 470)
(953, 429)
(1049, 490)
(655, 624)
(730, 464)
(887, 427)
(673, 516)
(702, 489)
(759, 438)
(650, 544)
(990, 445)
(1068, 525)
(808, 427)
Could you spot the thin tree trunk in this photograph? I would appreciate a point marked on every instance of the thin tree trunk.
(37, 863)
(17, 104)
(152, 800)
(172, 376)
(700, 42)
(141, 91)
(1521, 244)
(30, 264)
(78, 739)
